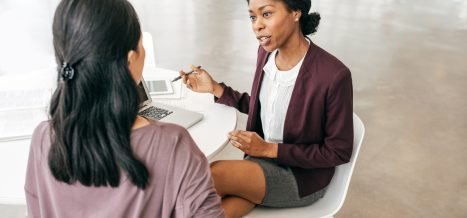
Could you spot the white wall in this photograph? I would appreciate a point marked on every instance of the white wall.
(26, 35)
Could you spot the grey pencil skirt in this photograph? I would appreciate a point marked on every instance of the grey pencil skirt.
(281, 186)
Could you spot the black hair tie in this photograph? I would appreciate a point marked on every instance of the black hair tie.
(67, 71)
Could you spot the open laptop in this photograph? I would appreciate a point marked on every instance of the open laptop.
(165, 113)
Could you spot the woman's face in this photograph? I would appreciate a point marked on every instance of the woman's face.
(136, 61)
(272, 22)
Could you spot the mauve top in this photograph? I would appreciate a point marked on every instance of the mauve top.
(180, 183)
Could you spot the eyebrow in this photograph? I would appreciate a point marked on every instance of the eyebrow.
(260, 8)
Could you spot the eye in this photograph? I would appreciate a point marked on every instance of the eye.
(267, 14)
(252, 18)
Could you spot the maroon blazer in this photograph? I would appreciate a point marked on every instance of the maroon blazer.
(318, 128)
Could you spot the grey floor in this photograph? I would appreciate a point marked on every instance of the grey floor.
(408, 62)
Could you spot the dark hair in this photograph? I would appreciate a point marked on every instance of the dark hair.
(93, 112)
(308, 21)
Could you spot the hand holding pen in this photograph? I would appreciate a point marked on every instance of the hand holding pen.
(187, 73)
(199, 80)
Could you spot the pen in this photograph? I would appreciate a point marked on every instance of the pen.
(187, 73)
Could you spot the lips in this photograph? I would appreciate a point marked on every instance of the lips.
(264, 40)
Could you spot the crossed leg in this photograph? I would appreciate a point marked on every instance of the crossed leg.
(241, 185)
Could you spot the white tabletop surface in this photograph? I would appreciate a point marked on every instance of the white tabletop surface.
(210, 134)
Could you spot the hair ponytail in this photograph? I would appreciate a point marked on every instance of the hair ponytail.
(96, 101)
(309, 23)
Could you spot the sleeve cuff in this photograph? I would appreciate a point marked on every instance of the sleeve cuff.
(220, 99)
(280, 154)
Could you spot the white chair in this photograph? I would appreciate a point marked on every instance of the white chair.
(334, 198)
(150, 58)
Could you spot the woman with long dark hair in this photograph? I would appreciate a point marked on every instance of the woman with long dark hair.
(96, 157)
(299, 114)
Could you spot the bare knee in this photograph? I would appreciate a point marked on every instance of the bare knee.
(238, 178)
(218, 171)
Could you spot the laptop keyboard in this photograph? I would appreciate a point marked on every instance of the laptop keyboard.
(155, 112)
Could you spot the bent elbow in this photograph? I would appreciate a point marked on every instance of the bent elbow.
(345, 155)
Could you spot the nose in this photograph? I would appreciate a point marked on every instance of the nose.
(258, 24)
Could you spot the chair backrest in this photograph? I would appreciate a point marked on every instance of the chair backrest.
(336, 192)
(150, 60)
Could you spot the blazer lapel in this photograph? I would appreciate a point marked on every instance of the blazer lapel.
(299, 92)
(255, 125)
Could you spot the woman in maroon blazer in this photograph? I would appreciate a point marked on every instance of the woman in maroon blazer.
(300, 122)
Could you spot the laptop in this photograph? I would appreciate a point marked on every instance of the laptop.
(164, 113)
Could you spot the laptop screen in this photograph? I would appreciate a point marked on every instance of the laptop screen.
(142, 94)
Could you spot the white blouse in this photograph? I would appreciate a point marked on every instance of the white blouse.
(276, 91)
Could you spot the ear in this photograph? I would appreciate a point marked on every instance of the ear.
(131, 57)
(297, 14)
(131, 65)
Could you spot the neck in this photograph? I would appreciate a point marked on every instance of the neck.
(292, 52)
(140, 122)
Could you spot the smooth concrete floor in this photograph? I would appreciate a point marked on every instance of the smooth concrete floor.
(408, 63)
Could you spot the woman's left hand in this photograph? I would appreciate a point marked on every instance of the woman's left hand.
(252, 144)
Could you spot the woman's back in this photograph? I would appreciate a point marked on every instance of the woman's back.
(179, 183)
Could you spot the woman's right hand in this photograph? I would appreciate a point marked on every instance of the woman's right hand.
(201, 81)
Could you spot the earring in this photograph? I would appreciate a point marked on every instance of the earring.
(296, 19)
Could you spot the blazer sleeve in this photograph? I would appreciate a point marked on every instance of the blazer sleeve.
(235, 99)
(337, 145)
